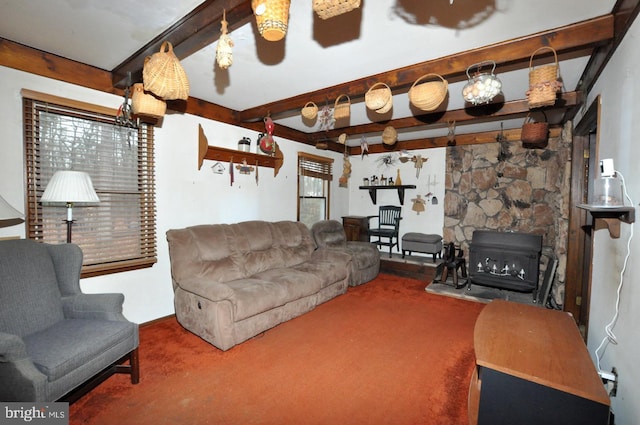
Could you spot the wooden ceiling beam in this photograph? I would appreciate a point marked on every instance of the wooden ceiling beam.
(485, 113)
(513, 53)
(196, 30)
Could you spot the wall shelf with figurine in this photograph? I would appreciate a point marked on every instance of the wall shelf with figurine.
(373, 191)
(215, 153)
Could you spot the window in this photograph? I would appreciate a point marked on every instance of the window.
(314, 176)
(117, 234)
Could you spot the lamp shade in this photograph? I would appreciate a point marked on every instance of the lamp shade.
(68, 186)
(7, 212)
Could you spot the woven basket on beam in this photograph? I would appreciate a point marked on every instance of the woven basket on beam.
(164, 76)
(543, 81)
(378, 96)
(342, 111)
(534, 134)
(329, 8)
(146, 104)
(272, 18)
(428, 95)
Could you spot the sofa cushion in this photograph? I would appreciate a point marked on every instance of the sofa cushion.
(70, 344)
(270, 289)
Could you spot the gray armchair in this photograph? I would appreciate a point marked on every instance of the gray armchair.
(365, 257)
(55, 341)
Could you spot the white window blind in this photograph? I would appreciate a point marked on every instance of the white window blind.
(118, 233)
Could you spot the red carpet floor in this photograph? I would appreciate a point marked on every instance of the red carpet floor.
(386, 352)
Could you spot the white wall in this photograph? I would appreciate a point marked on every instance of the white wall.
(433, 170)
(185, 195)
(619, 128)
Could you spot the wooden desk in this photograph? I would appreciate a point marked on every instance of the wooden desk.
(532, 367)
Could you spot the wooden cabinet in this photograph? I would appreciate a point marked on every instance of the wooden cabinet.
(356, 228)
(532, 367)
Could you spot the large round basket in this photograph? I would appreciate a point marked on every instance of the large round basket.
(428, 95)
(543, 81)
(377, 96)
(272, 18)
(146, 104)
(163, 75)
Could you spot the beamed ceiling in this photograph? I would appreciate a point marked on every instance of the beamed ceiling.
(97, 45)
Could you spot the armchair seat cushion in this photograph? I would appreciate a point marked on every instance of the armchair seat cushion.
(71, 344)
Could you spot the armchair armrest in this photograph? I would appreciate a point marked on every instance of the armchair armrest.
(94, 306)
(12, 348)
(21, 380)
(336, 255)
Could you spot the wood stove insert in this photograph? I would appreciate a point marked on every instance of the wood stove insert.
(507, 260)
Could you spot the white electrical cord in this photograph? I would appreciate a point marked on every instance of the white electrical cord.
(610, 337)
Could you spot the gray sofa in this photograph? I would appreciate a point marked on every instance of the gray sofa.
(234, 281)
(54, 339)
(365, 256)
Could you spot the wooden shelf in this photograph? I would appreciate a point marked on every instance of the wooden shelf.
(373, 191)
(215, 153)
(610, 217)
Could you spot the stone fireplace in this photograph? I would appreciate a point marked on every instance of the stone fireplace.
(504, 187)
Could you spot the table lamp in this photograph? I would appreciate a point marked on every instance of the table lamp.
(9, 216)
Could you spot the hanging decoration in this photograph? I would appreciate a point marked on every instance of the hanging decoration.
(364, 147)
(325, 118)
(418, 204)
(266, 142)
(346, 172)
(164, 76)
(124, 116)
(451, 137)
(224, 52)
(244, 168)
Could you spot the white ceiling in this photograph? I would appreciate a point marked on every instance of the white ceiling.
(380, 36)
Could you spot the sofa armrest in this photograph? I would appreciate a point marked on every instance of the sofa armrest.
(214, 291)
(94, 306)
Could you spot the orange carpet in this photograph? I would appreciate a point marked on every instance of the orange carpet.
(386, 352)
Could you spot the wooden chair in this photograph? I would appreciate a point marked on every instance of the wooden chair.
(388, 227)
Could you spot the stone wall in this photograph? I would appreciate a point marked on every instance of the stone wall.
(504, 187)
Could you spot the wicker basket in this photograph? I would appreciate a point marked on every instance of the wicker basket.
(329, 8)
(310, 111)
(534, 134)
(386, 108)
(163, 75)
(389, 135)
(427, 96)
(342, 111)
(543, 81)
(272, 18)
(377, 96)
(146, 104)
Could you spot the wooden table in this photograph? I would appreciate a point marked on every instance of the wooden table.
(532, 367)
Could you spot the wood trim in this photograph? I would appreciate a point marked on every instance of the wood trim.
(69, 103)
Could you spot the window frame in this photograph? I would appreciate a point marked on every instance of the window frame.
(310, 165)
(146, 249)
